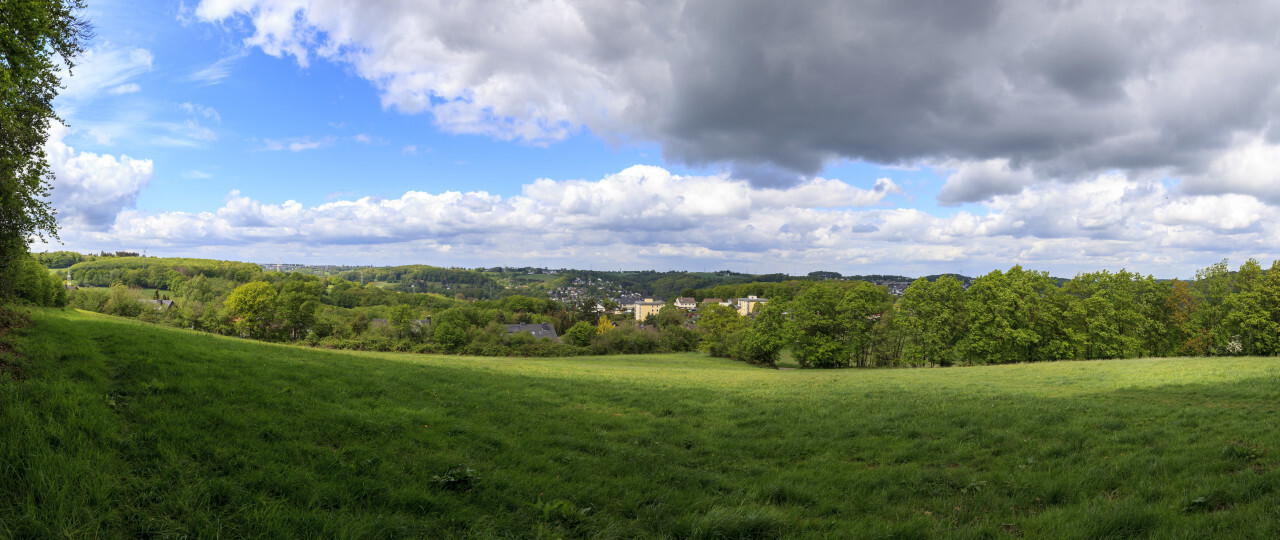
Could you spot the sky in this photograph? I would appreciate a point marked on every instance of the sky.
(872, 137)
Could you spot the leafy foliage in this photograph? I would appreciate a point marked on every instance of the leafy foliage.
(36, 36)
(159, 273)
(580, 334)
(719, 325)
(253, 305)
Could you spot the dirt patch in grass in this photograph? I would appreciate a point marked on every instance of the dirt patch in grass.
(12, 369)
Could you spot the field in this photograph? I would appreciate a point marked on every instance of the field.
(115, 428)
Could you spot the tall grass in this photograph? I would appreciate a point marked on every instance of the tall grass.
(124, 429)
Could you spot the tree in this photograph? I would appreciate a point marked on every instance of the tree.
(1248, 321)
(451, 329)
(1106, 314)
(934, 314)
(831, 322)
(580, 334)
(1211, 289)
(820, 328)
(297, 311)
(199, 289)
(996, 330)
(34, 35)
(603, 325)
(401, 320)
(863, 304)
(718, 325)
(253, 304)
(888, 339)
(762, 341)
(669, 316)
(1269, 291)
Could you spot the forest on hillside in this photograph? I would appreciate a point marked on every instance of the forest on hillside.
(1008, 316)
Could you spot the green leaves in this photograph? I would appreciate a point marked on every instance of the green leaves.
(254, 305)
(831, 322)
(718, 325)
(934, 314)
(31, 33)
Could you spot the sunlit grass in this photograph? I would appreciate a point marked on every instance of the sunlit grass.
(124, 429)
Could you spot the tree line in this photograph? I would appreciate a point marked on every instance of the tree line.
(1007, 316)
(1011, 316)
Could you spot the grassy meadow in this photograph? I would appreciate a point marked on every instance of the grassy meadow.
(115, 428)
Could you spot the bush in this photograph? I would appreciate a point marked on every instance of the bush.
(89, 299)
(123, 302)
(580, 334)
(678, 339)
(34, 283)
(626, 339)
(755, 347)
(487, 349)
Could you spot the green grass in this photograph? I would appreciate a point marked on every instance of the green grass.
(120, 429)
(786, 360)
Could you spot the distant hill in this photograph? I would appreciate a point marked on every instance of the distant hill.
(156, 272)
(962, 279)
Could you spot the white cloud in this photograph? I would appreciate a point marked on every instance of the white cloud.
(821, 192)
(90, 190)
(1220, 213)
(216, 72)
(981, 180)
(100, 70)
(295, 144)
(646, 217)
(1250, 167)
(365, 138)
(520, 78)
(192, 132)
(201, 111)
(125, 89)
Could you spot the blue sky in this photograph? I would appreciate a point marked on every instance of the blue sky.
(672, 136)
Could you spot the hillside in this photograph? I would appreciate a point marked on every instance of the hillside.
(116, 428)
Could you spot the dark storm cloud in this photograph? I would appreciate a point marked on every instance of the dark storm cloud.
(1062, 89)
(775, 91)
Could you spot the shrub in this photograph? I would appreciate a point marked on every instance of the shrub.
(626, 339)
(89, 299)
(34, 283)
(580, 334)
(678, 339)
(124, 302)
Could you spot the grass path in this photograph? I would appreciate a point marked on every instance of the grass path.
(125, 429)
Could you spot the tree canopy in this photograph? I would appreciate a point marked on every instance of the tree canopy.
(36, 37)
